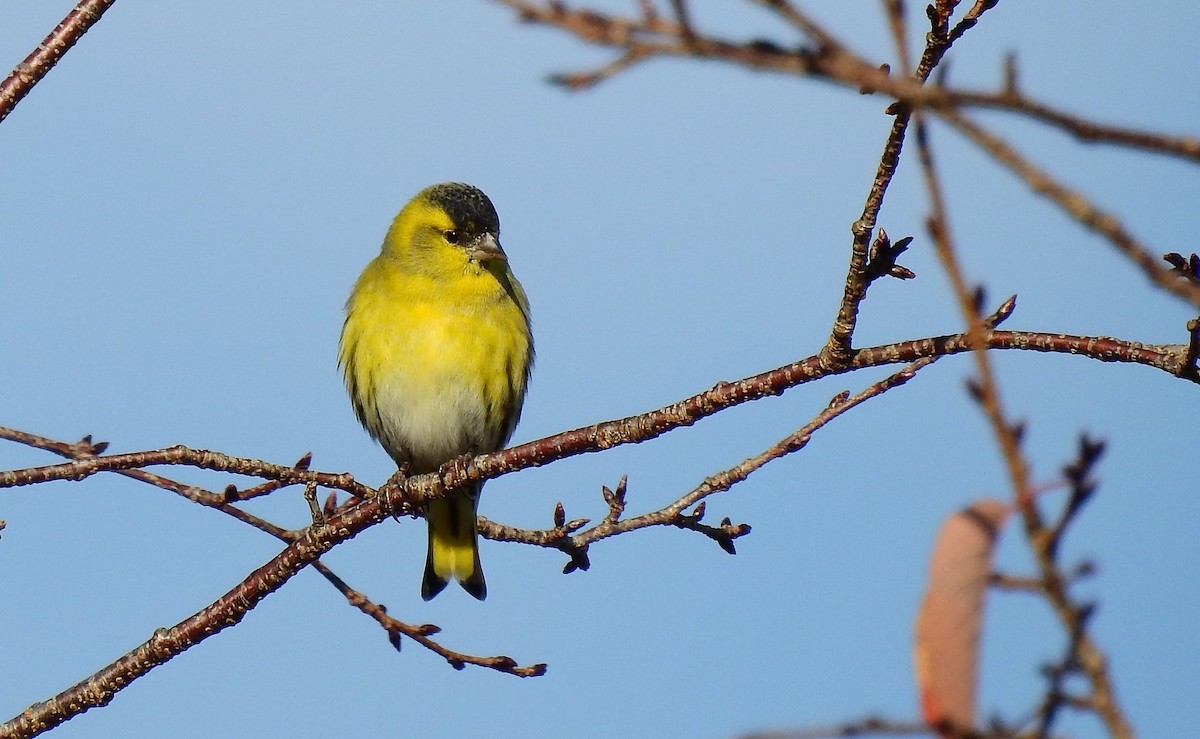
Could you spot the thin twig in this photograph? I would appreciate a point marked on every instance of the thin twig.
(968, 21)
(869, 726)
(226, 611)
(800, 20)
(85, 448)
(87, 466)
(422, 633)
(894, 9)
(683, 18)
(590, 78)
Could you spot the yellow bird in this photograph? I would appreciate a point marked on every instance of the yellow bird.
(436, 351)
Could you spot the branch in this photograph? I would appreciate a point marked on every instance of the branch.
(652, 36)
(165, 644)
(89, 465)
(651, 425)
(395, 628)
(85, 448)
(228, 610)
(894, 9)
(1082, 653)
(1169, 358)
(422, 633)
(838, 350)
(584, 80)
(1075, 205)
(869, 726)
(801, 21)
(401, 496)
(42, 59)
(833, 62)
(1093, 132)
(564, 538)
(1042, 540)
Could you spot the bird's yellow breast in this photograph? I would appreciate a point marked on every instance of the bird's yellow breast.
(437, 368)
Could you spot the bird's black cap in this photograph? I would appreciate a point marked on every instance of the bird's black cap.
(466, 205)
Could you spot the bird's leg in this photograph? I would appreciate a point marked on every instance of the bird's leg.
(397, 480)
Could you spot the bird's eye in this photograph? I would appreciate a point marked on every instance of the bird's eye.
(451, 236)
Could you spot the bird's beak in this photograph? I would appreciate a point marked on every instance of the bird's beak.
(486, 249)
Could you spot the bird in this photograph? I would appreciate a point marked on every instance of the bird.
(436, 352)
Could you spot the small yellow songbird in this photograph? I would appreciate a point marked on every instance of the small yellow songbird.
(437, 351)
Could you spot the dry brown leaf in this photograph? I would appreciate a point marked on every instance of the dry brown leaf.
(946, 651)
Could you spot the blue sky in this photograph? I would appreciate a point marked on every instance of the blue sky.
(189, 196)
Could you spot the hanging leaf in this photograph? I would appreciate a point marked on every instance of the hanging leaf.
(946, 652)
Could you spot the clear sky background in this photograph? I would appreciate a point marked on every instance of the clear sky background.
(186, 200)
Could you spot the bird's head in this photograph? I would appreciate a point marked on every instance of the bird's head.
(447, 228)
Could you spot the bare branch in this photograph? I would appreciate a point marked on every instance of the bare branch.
(1042, 540)
(833, 62)
(395, 628)
(422, 633)
(1169, 358)
(1010, 100)
(562, 536)
(401, 494)
(820, 55)
(1076, 205)
(226, 611)
(837, 351)
(42, 59)
(869, 726)
(89, 465)
(85, 449)
(800, 20)
(166, 644)
(899, 28)
(584, 80)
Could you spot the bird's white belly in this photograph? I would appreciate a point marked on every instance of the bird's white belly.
(430, 421)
